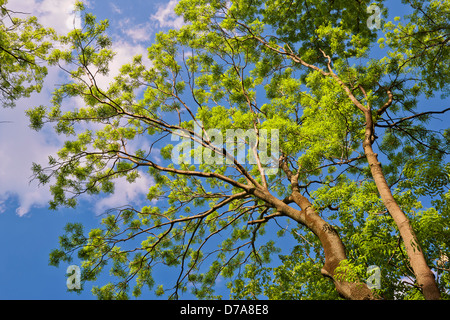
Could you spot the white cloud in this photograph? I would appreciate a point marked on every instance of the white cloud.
(115, 8)
(166, 16)
(20, 146)
(57, 14)
(125, 52)
(125, 193)
(139, 33)
(3, 199)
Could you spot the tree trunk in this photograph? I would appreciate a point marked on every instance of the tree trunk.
(334, 249)
(424, 276)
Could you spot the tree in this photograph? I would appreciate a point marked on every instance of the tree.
(302, 69)
(23, 42)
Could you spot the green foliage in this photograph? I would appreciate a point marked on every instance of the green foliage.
(297, 278)
(422, 45)
(251, 65)
(24, 44)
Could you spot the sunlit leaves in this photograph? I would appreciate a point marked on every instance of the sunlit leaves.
(287, 65)
(24, 44)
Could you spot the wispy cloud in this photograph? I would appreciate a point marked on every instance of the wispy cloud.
(19, 148)
(57, 14)
(166, 16)
(138, 33)
(115, 8)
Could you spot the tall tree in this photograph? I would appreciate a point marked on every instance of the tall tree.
(302, 69)
(23, 46)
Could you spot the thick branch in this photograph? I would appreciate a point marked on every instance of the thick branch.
(333, 247)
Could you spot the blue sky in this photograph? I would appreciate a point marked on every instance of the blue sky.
(28, 231)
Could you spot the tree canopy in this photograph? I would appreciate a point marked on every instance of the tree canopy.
(340, 157)
(24, 43)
